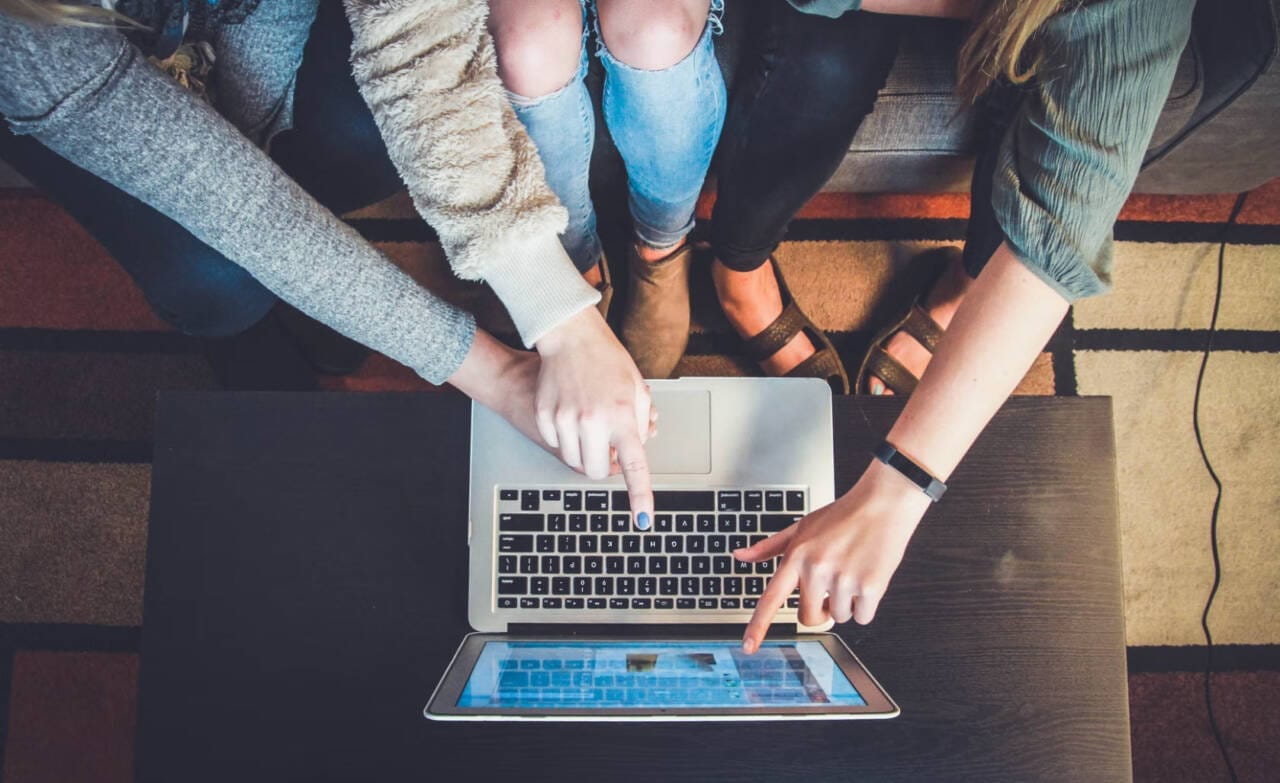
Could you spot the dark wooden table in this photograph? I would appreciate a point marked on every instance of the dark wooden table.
(306, 585)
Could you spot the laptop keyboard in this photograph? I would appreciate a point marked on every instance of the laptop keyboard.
(578, 548)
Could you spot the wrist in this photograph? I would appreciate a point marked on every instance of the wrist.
(880, 486)
(571, 332)
(481, 374)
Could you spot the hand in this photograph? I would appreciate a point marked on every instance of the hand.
(592, 405)
(841, 556)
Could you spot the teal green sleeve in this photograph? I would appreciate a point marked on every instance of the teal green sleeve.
(828, 8)
(1073, 151)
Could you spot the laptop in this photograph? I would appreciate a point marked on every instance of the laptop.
(578, 615)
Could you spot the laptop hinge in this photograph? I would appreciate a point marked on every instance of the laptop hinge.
(642, 631)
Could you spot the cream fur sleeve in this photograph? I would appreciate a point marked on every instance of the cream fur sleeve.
(428, 71)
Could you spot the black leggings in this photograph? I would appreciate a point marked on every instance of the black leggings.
(803, 87)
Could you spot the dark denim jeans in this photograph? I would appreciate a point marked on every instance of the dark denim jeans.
(804, 85)
(334, 151)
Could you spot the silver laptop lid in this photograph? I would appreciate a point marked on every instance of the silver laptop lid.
(713, 433)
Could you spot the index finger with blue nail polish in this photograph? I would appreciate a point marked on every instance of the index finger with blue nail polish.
(635, 471)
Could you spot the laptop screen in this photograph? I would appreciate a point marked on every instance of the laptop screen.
(629, 674)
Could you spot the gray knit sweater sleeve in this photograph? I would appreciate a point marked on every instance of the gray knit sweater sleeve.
(90, 96)
(1077, 142)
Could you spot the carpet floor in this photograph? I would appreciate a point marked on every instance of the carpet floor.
(81, 357)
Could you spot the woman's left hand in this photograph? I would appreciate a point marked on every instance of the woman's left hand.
(841, 556)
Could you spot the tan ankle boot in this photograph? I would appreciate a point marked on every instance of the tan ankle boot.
(605, 288)
(655, 326)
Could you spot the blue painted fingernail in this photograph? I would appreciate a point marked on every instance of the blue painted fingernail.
(642, 520)
(877, 390)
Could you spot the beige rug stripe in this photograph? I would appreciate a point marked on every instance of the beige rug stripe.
(1170, 286)
(1166, 496)
(74, 542)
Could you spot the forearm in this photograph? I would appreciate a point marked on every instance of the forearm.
(1004, 322)
(954, 9)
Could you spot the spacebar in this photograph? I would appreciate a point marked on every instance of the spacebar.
(684, 500)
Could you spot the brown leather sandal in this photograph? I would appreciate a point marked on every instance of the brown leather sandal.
(916, 322)
(824, 363)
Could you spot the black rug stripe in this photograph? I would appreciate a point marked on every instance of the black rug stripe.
(1191, 658)
(69, 637)
(76, 450)
(1245, 340)
(892, 229)
(97, 341)
(1064, 357)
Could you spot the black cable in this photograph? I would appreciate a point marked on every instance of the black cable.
(1217, 500)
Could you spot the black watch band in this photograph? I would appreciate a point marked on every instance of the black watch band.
(887, 453)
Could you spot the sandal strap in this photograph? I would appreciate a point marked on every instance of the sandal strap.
(822, 364)
(776, 335)
(888, 369)
(921, 326)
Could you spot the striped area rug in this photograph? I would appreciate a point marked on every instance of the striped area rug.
(81, 358)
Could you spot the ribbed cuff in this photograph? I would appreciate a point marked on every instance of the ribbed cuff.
(539, 285)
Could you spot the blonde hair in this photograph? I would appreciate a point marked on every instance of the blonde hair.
(1001, 44)
(57, 12)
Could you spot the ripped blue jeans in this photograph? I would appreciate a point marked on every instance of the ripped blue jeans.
(665, 124)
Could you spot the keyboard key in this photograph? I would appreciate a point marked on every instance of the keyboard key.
(663, 603)
(528, 564)
(689, 585)
(727, 523)
(506, 564)
(626, 585)
(641, 603)
(508, 494)
(614, 564)
(793, 603)
(572, 500)
(669, 585)
(717, 544)
(609, 544)
(647, 585)
(588, 544)
(556, 523)
(721, 564)
(702, 564)
(635, 564)
(686, 603)
(561, 585)
(684, 500)
(550, 494)
(597, 603)
(621, 523)
(673, 544)
(520, 523)
(764, 567)
(512, 585)
(684, 523)
(755, 585)
(507, 602)
(573, 603)
(582, 585)
(695, 544)
(546, 543)
(706, 523)
(512, 543)
(599, 523)
(571, 564)
(653, 545)
(577, 522)
(772, 523)
(773, 500)
(597, 501)
(566, 544)
(663, 523)
(550, 564)
(529, 500)
(679, 564)
(710, 585)
(743, 567)
(528, 603)
(730, 501)
(619, 603)
(733, 585)
(621, 500)
(631, 544)
(593, 564)
(657, 565)
(753, 500)
(540, 585)
(708, 603)
(750, 603)
(737, 542)
(795, 500)
(729, 603)
(551, 603)
(603, 585)
(748, 523)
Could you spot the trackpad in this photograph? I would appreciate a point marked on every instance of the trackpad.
(683, 443)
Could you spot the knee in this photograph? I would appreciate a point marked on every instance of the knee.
(651, 35)
(210, 298)
(539, 44)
